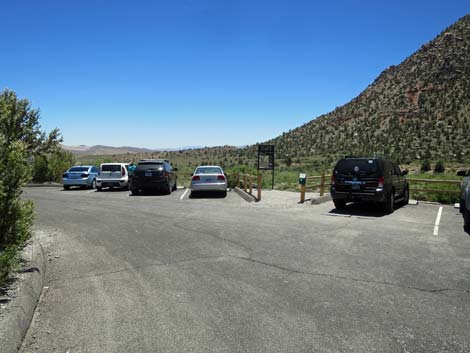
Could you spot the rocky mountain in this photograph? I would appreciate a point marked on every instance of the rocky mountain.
(415, 110)
(100, 150)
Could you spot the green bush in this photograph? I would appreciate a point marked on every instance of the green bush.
(50, 167)
(439, 167)
(20, 141)
(425, 166)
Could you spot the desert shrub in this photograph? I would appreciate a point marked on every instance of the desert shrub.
(21, 140)
(439, 167)
(425, 166)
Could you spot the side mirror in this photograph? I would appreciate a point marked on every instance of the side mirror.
(192, 174)
(175, 169)
(404, 172)
(462, 173)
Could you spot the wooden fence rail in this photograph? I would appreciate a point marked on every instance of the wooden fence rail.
(247, 180)
(323, 179)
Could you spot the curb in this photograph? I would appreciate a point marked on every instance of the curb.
(321, 199)
(19, 313)
(43, 185)
(244, 195)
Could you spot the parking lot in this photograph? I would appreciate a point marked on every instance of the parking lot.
(169, 273)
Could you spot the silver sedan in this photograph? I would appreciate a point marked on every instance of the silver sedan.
(209, 178)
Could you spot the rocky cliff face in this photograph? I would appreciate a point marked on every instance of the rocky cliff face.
(418, 109)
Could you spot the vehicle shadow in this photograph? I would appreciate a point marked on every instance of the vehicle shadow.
(113, 190)
(149, 193)
(76, 188)
(207, 195)
(359, 209)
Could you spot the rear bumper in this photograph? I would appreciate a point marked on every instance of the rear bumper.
(209, 187)
(378, 196)
(103, 183)
(77, 182)
(148, 184)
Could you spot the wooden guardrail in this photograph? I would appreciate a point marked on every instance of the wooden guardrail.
(434, 181)
(414, 181)
(247, 181)
(321, 186)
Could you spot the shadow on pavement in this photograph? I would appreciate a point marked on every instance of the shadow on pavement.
(207, 195)
(363, 210)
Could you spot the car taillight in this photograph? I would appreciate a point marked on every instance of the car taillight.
(333, 181)
(123, 171)
(220, 177)
(381, 182)
(196, 177)
(166, 174)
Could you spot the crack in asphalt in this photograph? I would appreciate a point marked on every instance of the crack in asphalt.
(279, 267)
(360, 280)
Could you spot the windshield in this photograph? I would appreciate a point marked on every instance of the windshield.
(111, 168)
(357, 166)
(149, 165)
(79, 169)
(208, 170)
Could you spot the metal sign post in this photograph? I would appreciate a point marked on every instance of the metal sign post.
(266, 159)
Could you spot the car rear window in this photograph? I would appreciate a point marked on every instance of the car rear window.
(362, 166)
(111, 168)
(79, 169)
(149, 165)
(208, 170)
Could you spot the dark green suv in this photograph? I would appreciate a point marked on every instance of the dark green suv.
(375, 180)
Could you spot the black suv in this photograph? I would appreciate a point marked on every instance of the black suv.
(154, 174)
(370, 180)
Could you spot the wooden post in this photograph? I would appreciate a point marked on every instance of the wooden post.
(260, 181)
(238, 180)
(302, 193)
(250, 179)
(322, 184)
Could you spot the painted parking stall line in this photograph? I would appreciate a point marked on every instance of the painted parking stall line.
(438, 220)
(184, 194)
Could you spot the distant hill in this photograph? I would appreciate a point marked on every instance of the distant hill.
(418, 109)
(100, 150)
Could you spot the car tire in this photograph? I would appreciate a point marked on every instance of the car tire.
(466, 219)
(99, 188)
(462, 206)
(66, 187)
(389, 204)
(339, 204)
(175, 187)
(167, 189)
(224, 193)
(93, 184)
(406, 196)
(134, 192)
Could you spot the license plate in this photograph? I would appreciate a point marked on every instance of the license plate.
(148, 173)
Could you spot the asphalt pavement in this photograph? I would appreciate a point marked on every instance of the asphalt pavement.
(170, 273)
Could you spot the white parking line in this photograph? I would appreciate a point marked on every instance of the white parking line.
(438, 220)
(184, 194)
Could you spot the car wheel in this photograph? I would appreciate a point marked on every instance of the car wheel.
(406, 197)
(175, 187)
(389, 204)
(466, 219)
(66, 187)
(134, 191)
(93, 184)
(224, 193)
(167, 189)
(462, 205)
(339, 204)
(99, 188)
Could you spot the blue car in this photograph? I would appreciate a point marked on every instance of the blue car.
(83, 176)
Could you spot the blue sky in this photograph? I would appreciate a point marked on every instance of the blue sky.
(180, 73)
